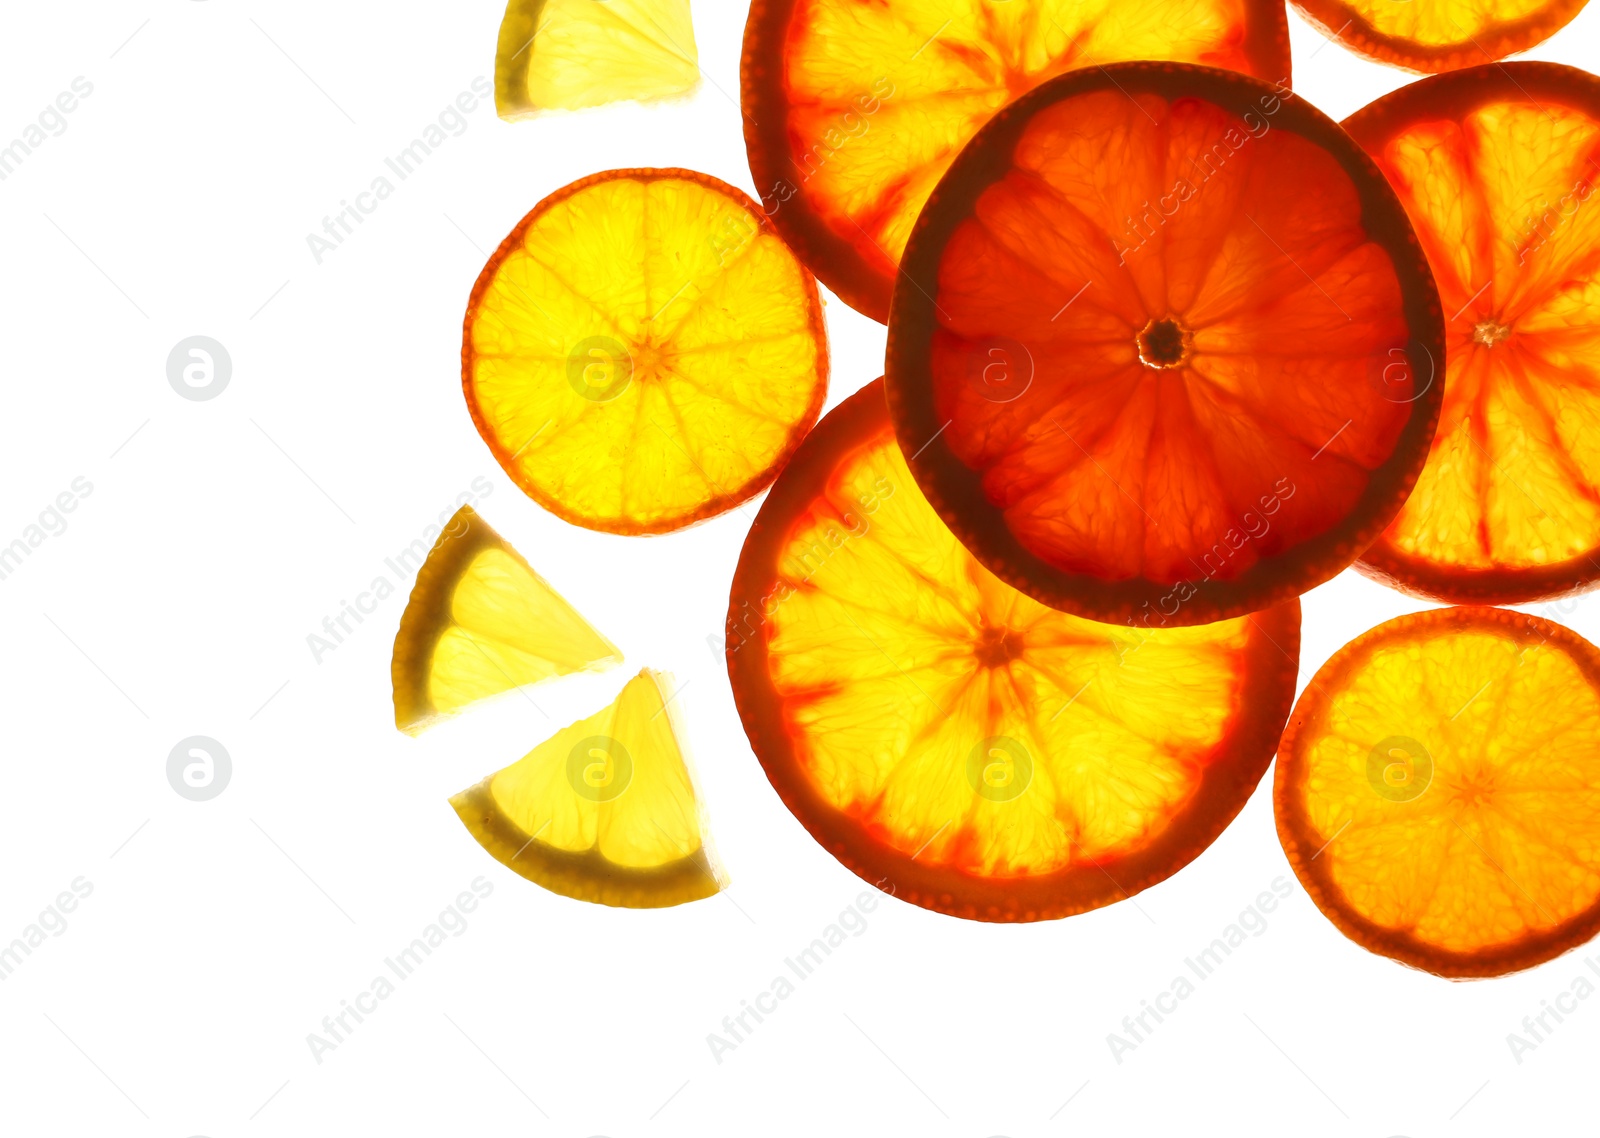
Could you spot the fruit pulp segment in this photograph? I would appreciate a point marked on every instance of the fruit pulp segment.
(1502, 199)
(882, 96)
(646, 347)
(1241, 248)
(1489, 831)
(962, 722)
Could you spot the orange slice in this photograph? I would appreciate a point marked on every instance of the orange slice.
(643, 352)
(604, 810)
(1160, 355)
(570, 54)
(1438, 35)
(1497, 166)
(481, 622)
(854, 108)
(958, 744)
(1438, 790)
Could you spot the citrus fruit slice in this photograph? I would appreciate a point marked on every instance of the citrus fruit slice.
(1438, 35)
(481, 622)
(854, 108)
(604, 810)
(643, 352)
(958, 744)
(1497, 166)
(570, 54)
(1161, 355)
(1438, 790)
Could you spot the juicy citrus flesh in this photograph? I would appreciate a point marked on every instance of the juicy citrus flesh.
(871, 101)
(571, 54)
(1166, 361)
(938, 715)
(1501, 192)
(643, 351)
(1439, 35)
(604, 810)
(1437, 790)
(481, 622)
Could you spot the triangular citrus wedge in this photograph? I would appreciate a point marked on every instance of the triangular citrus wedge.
(568, 54)
(480, 622)
(603, 810)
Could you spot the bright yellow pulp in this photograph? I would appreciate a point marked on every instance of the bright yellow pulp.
(614, 788)
(1437, 23)
(1506, 206)
(1478, 821)
(482, 622)
(962, 722)
(884, 95)
(646, 354)
(570, 54)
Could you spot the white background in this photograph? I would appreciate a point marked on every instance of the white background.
(219, 534)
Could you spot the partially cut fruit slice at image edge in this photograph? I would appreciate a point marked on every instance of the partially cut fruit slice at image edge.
(643, 352)
(604, 810)
(1498, 167)
(1438, 35)
(1438, 790)
(481, 622)
(957, 744)
(571, 54)
(1163, 349)
(855, 108)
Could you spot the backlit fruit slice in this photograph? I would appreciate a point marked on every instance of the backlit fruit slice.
(570, 54)
(1438, 790)
(854, 108)
(603, 810)
(1497, 166)
(1438, 35)
(643, 352)
(481, 622)
(958, 744)
(1161, 351)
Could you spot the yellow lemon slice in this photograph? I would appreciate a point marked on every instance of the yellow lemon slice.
(603, 810)
(480, 622)
(643, 351)
(569, 54)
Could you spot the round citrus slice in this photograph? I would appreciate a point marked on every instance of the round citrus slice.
(855, 108)
(604, 810)
(570, 54)
(1162, 351)
(953, 741)
(643, 352)
(481, 622)
(1438, 35)
(1497, 166)
(1438, 790)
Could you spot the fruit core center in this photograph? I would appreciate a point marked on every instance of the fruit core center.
(1489, 332)
(997, 647)
(1163, 343)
